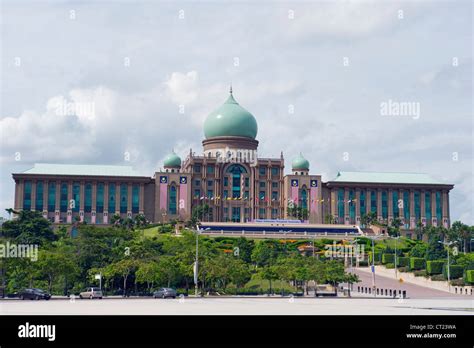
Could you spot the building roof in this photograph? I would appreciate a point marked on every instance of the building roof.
(81, 169)
(386, 178)
(230, 119)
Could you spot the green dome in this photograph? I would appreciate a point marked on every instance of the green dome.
(230, 120)
(172, 160)
(300, 163)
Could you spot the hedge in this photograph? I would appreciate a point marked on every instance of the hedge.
(469, 276)
(378, 257)
(389, 265)
(388, 258)
(455, 271)
(434, 267)
(417, 263)
(403, 261)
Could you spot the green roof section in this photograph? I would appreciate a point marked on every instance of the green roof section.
(172, 160)
(230, 119)
(82, 169)
(386, 178)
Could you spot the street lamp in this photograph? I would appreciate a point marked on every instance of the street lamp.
(196, 263)
(373, 262)
(448, 245)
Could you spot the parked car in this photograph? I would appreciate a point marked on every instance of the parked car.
(91, 293)
(165, 293)
(325, 290)
(34, 294)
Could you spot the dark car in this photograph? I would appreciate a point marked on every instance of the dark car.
(165, 293)
(34, 294)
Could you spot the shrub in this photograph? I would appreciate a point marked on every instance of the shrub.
(455, 271)
(417, 263)
(420, 273)
(364, 263)
(388, 258)
(469, 276)
(389, 265)
(458, 282)
(403, 261)
(438, 277)
(434, 267)
(403, 269)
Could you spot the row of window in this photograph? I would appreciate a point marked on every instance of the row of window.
(402, 202)
(74, 204)
(275, 171)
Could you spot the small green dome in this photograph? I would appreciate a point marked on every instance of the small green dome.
(172, 160)
(230, 120)
(300, 163)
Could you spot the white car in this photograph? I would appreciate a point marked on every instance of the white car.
(91, 293)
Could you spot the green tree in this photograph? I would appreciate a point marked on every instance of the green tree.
(30, 227)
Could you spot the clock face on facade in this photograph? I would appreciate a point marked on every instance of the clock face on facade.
(163, 179)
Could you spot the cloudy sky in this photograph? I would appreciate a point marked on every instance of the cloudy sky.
(119, 82)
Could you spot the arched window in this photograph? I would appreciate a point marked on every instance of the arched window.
(304, 198)
(237, 171)
(172, 200)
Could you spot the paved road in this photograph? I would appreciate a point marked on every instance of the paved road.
(240, 306)
(413, 291)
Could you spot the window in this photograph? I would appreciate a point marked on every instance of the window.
(236, 170)
(261, 212)
(76, 191)
(197, 194)
(274, 195)
(210, 193)
(51, 196)
(210, 169)
(209, 183)
(112, 198)
(246, 194)
(88, 198)
(63, 198)
(27, 195)
(406, 207)
(123, 198)
(226, 181)
(261, 195)
(99, 202)
(340, 204)
(197, 168)
(373, 202)
(262, 170)
(226, 193)
(274, 171)
(428, 207)
(417, 206)
(439, 207)
(39, 196)
(384, 205)
(262, 184)
(304, 198)
(274, 185)
(247, 182)
(197, 182)
(135, 198)
(172, 200)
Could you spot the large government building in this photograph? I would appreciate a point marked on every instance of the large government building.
(236, 185)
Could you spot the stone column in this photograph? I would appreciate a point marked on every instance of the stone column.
(357, 207)
(129, 199)
(141, 201)
(445, 211)
(422, 207)
(390, 206)
(346, 206)
(412, 210)
(106, 203)
(33, 195)
(21, 187)
(434, 219)
(94, 203)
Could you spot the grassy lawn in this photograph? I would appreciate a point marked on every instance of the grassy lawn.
(256, 283)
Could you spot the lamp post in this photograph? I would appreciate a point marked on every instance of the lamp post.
(448, 245)
(373, 263)
(396, 242)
